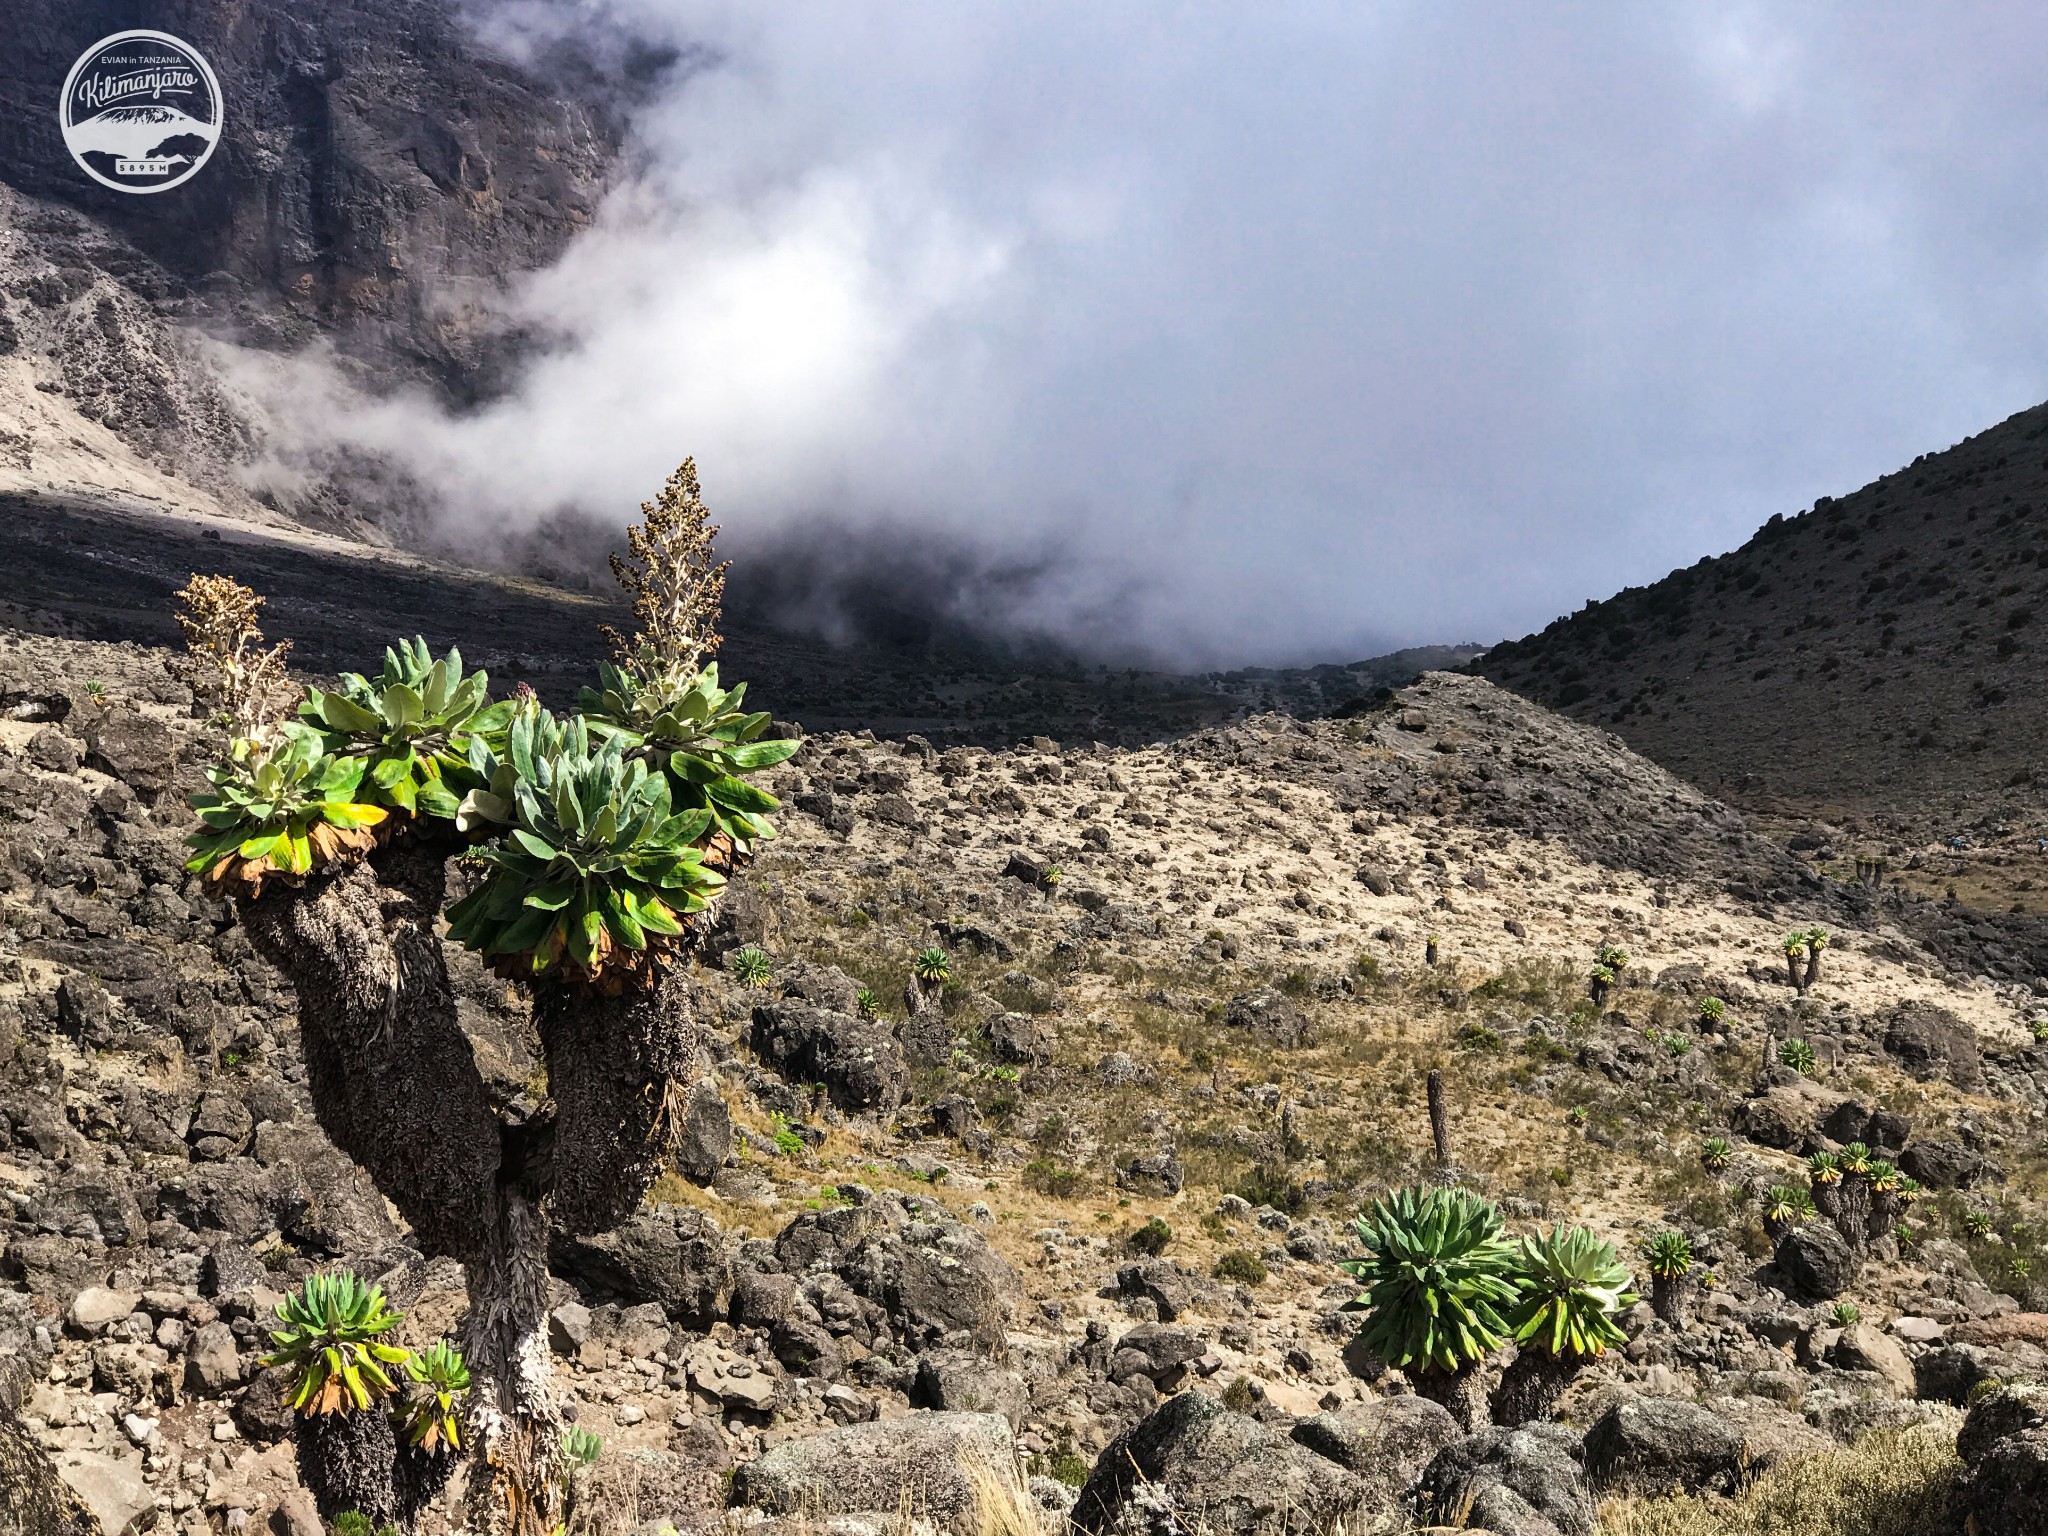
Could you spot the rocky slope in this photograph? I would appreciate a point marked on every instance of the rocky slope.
(1873, 662)
(891, 1244)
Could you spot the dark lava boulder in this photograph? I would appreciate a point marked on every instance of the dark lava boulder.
(2004, 1446)
(858, 1060)
(1517, 1482)
(1929, 1041)
(1220, 1472)
(1650, 1445)
(671, 1254)
(1388, 1443)
(1815, 1261)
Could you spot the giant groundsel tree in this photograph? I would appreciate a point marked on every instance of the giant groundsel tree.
(594, 849)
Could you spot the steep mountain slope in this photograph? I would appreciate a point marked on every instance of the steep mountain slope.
(1877, 659)
(378, 171)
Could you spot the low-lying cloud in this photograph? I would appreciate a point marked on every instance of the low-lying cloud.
(1272, 332)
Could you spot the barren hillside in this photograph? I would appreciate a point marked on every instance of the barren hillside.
(1874, 661)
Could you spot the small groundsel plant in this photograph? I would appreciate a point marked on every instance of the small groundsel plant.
(1798, 1055)
(1715, 1154)
(750, 967)
(332, 1342)
(932, 965)
(580, 1447)
(867, 1004)
(1668, 1255)
(432, 1422)
(1575, 1117)
(1712, 1010)
(1844, 1314)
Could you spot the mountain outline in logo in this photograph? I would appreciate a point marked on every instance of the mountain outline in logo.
(141, 111)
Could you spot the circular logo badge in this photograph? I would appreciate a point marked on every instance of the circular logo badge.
(141, 111)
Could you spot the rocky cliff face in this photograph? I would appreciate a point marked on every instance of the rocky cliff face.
(378, 174)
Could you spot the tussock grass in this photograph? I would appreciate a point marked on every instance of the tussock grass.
(1889, 1483)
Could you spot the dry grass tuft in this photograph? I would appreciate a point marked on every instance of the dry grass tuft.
(1002, 1504)
(1889, 1483)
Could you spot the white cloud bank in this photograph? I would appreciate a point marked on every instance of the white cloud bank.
(1291, 331)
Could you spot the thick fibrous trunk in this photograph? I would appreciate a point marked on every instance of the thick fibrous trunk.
(346, 1461)
(1531, 1386)
(393, 1080)
(1461, 1393)
(613, 1065)
(396, 1086)
(1671, 1299)
(421, 1475)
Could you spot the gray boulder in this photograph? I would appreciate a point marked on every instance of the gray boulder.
(671, 1254)
(1270, 1014)
(959, 1381)
(2004, 1447)
(1387, 1444)
(1158, 1351)
(923, 1461)
(33, 1498)
(1650, 1445)
(133, 748)
(1942, 1164)
(1198, 1466)
(1815, 1261)
(1929, 1041)
(1517, 1482)
(1164, 1283)
(858, 1060)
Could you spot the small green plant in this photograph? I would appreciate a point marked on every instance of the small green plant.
(1599, 981)
(1476, 1036)
(1854, 1160)
(750, 967)
(1845, 1314)
(932, 965)
(1668, 1255)
(2019, 1267)
(1784, 1206)
(1051, 1178)
(1712, 1010)
(1798, 1055)
(1575, 1117)
(330, 1340)
(580, 1447)
(1051, 876)
(1241, 1267)
(867, 1004)
(1977, 1223)
(2039, 1028)
(96, 690)
(354, 1523)
(1678, 1045)
(431, 1423)
(787, 1142)
(1614, 958)
(1715, 1154)
(1150, 1239)
(1795, 952)
(1823, 1169)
